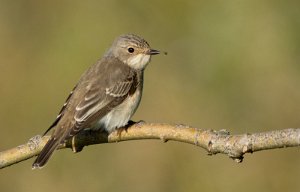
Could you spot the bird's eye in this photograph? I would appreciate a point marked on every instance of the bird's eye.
(130, 50)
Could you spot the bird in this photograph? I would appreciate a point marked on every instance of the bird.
(106, 95)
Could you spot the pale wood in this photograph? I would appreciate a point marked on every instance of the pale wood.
(235, 146)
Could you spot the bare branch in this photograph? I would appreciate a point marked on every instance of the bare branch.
(235, 146)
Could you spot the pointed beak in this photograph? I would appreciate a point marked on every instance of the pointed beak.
(153, 52)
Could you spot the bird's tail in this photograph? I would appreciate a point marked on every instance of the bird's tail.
(46, 153)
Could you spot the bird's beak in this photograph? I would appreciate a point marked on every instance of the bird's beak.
(153, 52)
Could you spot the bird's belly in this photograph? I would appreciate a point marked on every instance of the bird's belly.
(120, 115)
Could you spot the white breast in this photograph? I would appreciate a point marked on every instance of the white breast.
(120, 115)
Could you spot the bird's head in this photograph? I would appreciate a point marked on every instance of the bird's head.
(133, 51)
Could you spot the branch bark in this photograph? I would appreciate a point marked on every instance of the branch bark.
(235, 146)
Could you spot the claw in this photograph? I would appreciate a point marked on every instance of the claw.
(140, 123)
(120, 130)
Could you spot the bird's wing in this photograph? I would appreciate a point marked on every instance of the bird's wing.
(95, 101)
(97, 104)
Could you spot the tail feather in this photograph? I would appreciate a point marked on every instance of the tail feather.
(46, 153)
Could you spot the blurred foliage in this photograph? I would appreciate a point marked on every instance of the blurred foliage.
(231, 64)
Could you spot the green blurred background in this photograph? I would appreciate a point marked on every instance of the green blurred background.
(231, 65)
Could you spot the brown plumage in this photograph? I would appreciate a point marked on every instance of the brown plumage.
(106, 95)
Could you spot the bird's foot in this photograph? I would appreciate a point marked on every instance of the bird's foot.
(129, 124)
(140, 123)
(120, 130)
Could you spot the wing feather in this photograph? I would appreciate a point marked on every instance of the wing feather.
(97, 103)
(91, 105)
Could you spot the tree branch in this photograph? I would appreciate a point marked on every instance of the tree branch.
(235, 146)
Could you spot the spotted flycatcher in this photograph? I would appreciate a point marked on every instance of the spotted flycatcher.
(106, 96)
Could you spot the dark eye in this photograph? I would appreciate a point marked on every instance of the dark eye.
(130, 50)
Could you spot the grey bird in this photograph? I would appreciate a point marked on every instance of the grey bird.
(106, 96)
